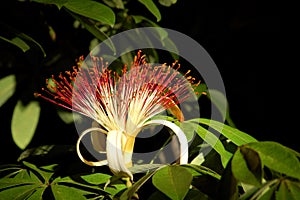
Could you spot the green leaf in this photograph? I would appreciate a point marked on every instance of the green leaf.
(24, 122)
(114, 3)
(63, 192)
(157, 195)
(45, 175)
(197, 170)
(288, 190)
(68, 117)
(116, 188)
(215, 143)
(267, 194)
(17, 42)
(167, 2)
(22, 192)
(58, 3)
(127, 194)
(195, 194)
(277, 157)
(19, 174)
(162, 35)
(264, 192)
(246, 166)
(96, 178)
(21, 40)
(37, 193)
(143, 168)
(188, 129)
(97, 32)
(30, 39)
(228, 187)
(20, 184)
(236, 136)
(161, 32)
(198, 160)
(150, 5)
(173, 181)
(93, 10)
(7, 88)
(8, 170)
(7, 183)
(220, 101)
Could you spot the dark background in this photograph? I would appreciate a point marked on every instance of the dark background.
(250, 42)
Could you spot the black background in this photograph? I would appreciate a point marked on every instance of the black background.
(252, 44)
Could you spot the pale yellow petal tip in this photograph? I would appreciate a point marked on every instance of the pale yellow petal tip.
(180, 135)
(90, 163)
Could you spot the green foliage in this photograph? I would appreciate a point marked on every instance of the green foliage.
(23, 130)
(150, 5)
(7, 88)
(249, 174)
(22, 41)
(272, 154)
(237, 166)
(28, 181)
(173, 181)
(17, 42)
(100, 19)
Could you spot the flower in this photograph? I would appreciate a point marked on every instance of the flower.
(122, 104)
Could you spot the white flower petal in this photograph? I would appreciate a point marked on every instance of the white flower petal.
(91, 163)
(114, 154)
(180, 135)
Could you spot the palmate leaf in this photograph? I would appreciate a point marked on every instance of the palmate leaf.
(21, 192)
(278, 189)
(43, 174)
(93, 184)
(288, 189)
(20, 183)
(62, 192)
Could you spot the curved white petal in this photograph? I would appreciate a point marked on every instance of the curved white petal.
(180, 135)
(115, 155)
(91, 163)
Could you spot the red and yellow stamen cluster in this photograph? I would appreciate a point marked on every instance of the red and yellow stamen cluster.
(119, 102)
